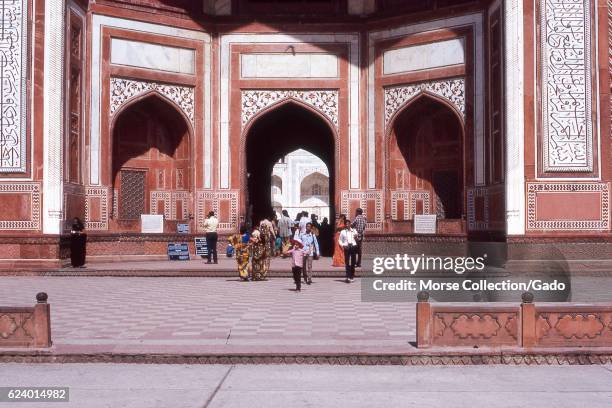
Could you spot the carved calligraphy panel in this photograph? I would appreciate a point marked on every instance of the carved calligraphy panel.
(566, 86)
(13, 73)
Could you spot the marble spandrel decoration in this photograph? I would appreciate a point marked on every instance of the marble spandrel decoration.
(452, 90)
(567, 141)
(123, 90)
(13, 74)
(323, 100)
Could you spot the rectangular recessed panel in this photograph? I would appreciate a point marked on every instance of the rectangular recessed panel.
(424, 56)
(132, 198)
(152, 56)
(289, 65)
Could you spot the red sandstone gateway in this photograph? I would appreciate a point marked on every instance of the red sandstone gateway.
(452, 108)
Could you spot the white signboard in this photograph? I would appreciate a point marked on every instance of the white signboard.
(151, 224)
(424, 224)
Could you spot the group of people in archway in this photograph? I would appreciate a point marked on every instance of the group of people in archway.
(299, 239)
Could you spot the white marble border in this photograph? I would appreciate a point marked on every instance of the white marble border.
(353, 97)
(594, 74)
(98, 21)
(20, 94)
(473, 20)
(53, 117)
(514, 95)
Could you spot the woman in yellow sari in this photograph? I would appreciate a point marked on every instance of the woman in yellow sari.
(242, 256)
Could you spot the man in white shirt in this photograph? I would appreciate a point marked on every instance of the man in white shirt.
(348, 242)
(210, 228)
(303, 221)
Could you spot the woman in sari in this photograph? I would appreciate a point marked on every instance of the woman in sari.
(242, 256)
(338, 259)
(260, 262)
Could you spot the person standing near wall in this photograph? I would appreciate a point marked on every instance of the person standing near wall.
(359, 224)
(78, 243)
(348, 242)
(210, 228)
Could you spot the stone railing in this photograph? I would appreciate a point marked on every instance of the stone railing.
(525, 325)
(26, 326)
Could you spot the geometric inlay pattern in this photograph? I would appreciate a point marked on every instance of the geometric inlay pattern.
(566, 85)
(603, 223)
(452, 90)
(324, 101)
(409, 200)
(214, 198)
(363, 197)
(132, 200)
(101, 195)
(13, 76)
(122, 90)
(473, 223)
(33, 189)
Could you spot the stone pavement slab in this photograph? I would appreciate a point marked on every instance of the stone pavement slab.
(224, 315)
(190, 314)
(226, 386)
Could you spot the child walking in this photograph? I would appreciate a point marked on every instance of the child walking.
(297, 260)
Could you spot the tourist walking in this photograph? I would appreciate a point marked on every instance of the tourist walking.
(242, 256)
(348, 242)
(338, 259)
(297, 262)
(210, 228)
(266, 227)
(284, 230)
(78, 243)
(359, 223)
(259, 257)
(311, 250)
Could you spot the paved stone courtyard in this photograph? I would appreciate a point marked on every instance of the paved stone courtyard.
(193, 314)
(202, 315)
(217, 386)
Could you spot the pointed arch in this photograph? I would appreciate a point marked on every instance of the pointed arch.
(425, 158)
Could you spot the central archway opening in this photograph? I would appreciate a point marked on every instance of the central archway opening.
(300, 182)
(274, 136)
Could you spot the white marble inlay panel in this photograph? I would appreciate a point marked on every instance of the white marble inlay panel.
(566, 85)
(452, 90)
(13, 76)
(424, 56)
(123, 90)
(152, 56)
(325, 101)
(289, 66)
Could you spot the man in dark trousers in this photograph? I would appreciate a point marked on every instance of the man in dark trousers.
(210, 227)
(360, 224)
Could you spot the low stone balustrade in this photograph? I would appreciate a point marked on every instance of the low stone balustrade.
(526, 325)
(26, 326)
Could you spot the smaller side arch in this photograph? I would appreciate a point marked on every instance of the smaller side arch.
(125, 105)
